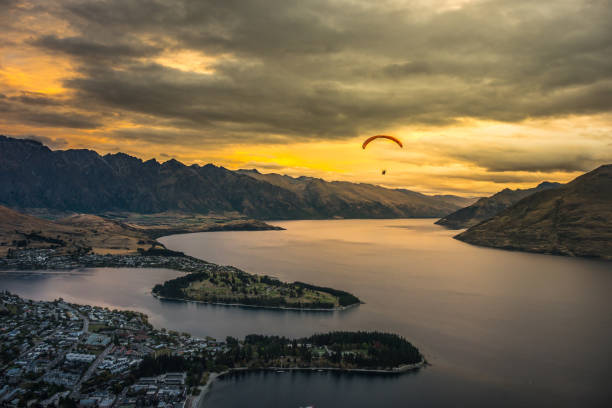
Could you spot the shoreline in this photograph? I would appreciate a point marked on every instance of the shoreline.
(300, 309)
(160, 297)
(47, 260)
(206, 388)
(374, 371)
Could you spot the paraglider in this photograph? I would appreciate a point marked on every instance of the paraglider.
(392, 138)
(371, 138)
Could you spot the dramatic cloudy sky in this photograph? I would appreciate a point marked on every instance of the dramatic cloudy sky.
(484, 94)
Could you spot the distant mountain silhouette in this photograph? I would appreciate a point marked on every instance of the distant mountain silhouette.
(34, 176)
(574, 219)
(341, 198)
(488, 207)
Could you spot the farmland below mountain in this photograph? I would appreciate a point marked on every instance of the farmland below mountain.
(72, 235)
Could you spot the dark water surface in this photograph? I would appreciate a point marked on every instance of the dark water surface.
(500, 328)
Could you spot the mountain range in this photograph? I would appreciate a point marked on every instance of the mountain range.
(79, 180)
(488, 207)
(341, 197)
(574, 219)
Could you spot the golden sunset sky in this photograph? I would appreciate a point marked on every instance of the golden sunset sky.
(484, 94)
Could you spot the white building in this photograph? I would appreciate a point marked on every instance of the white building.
(80, 358)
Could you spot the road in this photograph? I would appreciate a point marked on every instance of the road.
(71, 349)
(90, 371)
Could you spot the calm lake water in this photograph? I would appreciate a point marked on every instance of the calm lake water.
(500, 328)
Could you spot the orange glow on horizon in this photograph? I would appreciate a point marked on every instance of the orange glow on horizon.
(468, 156)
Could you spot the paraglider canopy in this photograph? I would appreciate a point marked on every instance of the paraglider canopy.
(369, 139)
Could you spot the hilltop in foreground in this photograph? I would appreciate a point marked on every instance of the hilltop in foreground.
(574, 220)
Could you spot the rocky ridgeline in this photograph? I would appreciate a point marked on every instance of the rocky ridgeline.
(34, 176)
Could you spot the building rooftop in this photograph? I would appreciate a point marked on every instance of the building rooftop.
(95, 339)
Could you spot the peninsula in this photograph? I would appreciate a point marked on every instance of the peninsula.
(229, 285)
(205, 282)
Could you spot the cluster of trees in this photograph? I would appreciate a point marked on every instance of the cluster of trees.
(382, 349)
(36, 391)
(360, 349)
(156, 251)
(238, 281)
(174, 288)
(155, 365)
(152, 366)
(35, 236)
(105, 379)
(272, 347)
(344, 298)
(8, 354)
(67, 403)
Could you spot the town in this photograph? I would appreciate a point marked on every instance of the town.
(49, 258)
(60, 354)
(54, 353)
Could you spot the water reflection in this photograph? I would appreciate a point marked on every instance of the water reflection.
(499, 327)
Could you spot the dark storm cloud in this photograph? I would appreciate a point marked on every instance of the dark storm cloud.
(63, 120)
(314, 69)
(499, 178)
(35, 98)
(408, 69)
(6, 4)
(498, 159)
(536, 162)
(45, 112)
(83, 48)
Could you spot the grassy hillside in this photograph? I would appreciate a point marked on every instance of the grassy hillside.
(487, 207)
(575, 220)
(73, 234)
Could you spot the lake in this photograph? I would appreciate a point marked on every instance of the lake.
(499, 328)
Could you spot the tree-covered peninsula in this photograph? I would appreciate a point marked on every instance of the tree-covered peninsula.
(230, 285)
(340, 349)
(203, 281)
(360, 351)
